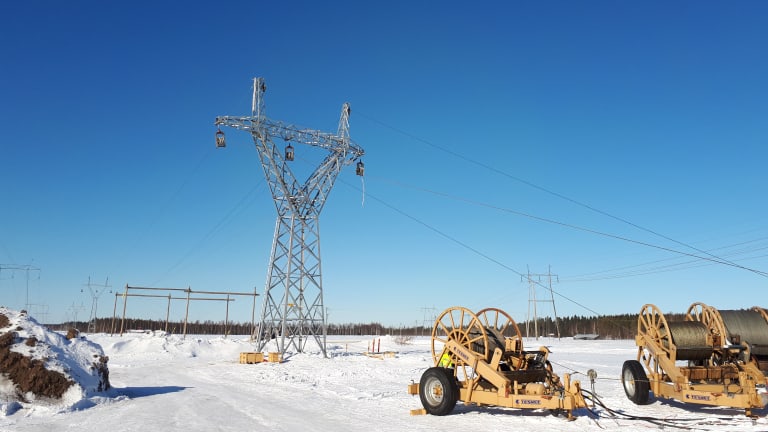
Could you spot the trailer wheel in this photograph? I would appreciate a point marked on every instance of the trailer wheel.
(438, 391)
(635, 382)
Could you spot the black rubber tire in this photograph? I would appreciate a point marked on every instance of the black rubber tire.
(438, 391)
(635, 382)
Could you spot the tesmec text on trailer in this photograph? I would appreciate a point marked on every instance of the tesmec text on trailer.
(479, 358)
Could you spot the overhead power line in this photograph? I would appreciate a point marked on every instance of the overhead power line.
(713, 258)
(240, 206)
(470, 248)
(662, 265)
(709, 258)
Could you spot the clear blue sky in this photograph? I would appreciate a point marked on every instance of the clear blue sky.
(655, 113)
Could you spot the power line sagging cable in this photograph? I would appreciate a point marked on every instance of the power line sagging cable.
(579, 228)
(712, 257)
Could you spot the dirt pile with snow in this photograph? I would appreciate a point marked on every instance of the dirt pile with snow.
(41, 367)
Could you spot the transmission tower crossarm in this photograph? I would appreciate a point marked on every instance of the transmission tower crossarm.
(288, 132)
(320, 183)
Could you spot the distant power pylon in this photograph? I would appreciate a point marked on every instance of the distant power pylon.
(534, 279)
(96, 291)
(26, 268)
(293, 309)
(430, 314)
(75, 310)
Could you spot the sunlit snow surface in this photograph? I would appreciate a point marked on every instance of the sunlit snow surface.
(169, 383)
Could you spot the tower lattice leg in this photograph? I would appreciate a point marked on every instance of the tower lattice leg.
(293, 309)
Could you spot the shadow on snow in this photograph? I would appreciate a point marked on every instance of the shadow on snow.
(138, 392)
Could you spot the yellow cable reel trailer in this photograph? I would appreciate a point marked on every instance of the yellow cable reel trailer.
(710, 357)
(479, 359)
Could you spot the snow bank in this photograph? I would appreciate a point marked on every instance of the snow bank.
(44, 370)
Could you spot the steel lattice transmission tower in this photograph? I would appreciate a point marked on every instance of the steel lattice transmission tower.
(293, 308)
(93, 289)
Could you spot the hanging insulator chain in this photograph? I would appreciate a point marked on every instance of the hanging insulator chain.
(220, 139)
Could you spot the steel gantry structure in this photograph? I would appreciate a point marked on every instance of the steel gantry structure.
(293, 309)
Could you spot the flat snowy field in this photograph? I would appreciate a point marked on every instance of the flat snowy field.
(169, 383)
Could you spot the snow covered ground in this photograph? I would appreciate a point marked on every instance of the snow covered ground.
(168, 383)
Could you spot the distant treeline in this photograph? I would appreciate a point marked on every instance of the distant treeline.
(607, 327)
(108, 325)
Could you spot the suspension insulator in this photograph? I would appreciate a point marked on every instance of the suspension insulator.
(220, 139)
(360, 169)
(289, 153)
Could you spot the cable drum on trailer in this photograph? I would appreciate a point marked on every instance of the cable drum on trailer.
(760, 352)
(713, 376)
(748, 325)
(690, 340)
(493, 338)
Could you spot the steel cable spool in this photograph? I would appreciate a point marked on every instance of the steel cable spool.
(485, 341)
(749, 326)
(500, 326)
(501, 321)
(760, 353)
(495, 340)
(690, 340)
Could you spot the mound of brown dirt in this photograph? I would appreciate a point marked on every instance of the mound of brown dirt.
(28, 374)
(43, 367)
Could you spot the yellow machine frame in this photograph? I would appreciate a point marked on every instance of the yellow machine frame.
(720, 380)
(483, 355)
